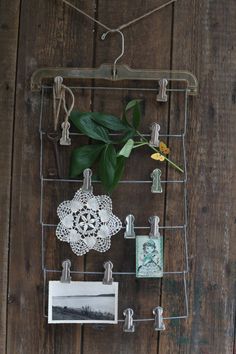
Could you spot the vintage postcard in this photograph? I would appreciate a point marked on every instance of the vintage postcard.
(149, 257)
(82, 302)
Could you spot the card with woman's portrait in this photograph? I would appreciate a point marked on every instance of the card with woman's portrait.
(149, 257)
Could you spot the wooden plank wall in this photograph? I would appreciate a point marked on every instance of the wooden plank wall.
(9, 27)
(197, 35)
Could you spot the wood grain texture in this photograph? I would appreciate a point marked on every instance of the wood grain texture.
(209, 33)
(196, 35)
(9, 26)
(49, 38)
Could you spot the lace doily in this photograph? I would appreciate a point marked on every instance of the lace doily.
(87, 222)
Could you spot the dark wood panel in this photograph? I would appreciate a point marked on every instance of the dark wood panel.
(50, 35)
(208, 30)
(200, 39)
(9, 24)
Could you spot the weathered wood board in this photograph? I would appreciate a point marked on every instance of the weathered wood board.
(9, 27)
(196, 35)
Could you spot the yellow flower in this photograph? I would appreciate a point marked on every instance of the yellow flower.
(157, 156)
(164, 149)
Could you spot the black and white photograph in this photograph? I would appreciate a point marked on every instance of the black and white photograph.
(82, 302)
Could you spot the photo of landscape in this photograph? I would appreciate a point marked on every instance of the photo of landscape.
(82, 302)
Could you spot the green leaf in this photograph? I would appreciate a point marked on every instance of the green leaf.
(132, 104)
(136, 115)
(107, 167)
(127, 148)
(85, 123)
(125, 120)
(83, 157)
(120, 167)
(108, 121)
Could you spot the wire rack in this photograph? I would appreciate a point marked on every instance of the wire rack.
(183, 226)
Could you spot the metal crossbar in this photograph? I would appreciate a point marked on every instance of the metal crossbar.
(121, 273)
(183, 227)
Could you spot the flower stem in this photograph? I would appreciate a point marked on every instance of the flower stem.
(139, 144)
(157, 150)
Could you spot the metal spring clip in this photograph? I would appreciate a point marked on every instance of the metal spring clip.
(87, 184)
(162, 96)
(129, 228)
(155, 128)
(156, 181)
(129, 322)
(65, 276)
(158, 322)
(107, 280)
(154, 222)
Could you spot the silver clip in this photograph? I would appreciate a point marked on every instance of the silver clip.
(87, 184)
(158, 322)
(155, 128)
(162, 96)
(65, 276)
(129, 322)
(65, 135)
(107, 280)
(58, 80)
(156, 184)
(129, 228)
(154, 221)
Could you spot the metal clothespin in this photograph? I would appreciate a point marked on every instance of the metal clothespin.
(87, 184)
(155, 128)
(156, 184)
(65, 135)
(129, 321)
(162, 96)
(65, 276)
(154, 222)
(158, 322)
(58, 80)
(129, 228)
(107, 280)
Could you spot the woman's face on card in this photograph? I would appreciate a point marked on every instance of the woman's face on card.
(149, 249)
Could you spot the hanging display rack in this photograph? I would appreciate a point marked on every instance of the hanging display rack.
(114, 73)
(183, 227)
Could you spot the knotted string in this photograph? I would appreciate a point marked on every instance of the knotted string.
(61, 102)
(125, 25)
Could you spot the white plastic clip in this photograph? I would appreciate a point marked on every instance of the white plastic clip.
(156, 178)
(129, 322)
(158, 322)
(129, 228)
(162, 96)
(58, 80)
(154, 221)
(87, 184)
(107, 280)
(155, 128)
(65, 276)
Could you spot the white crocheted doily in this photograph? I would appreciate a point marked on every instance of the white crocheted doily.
(87, 222)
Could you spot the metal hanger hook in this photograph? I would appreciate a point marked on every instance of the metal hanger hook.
(122, 47)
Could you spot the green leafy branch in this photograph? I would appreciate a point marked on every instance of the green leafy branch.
(111, 153)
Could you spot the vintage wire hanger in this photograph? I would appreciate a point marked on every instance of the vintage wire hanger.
(114, 72)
